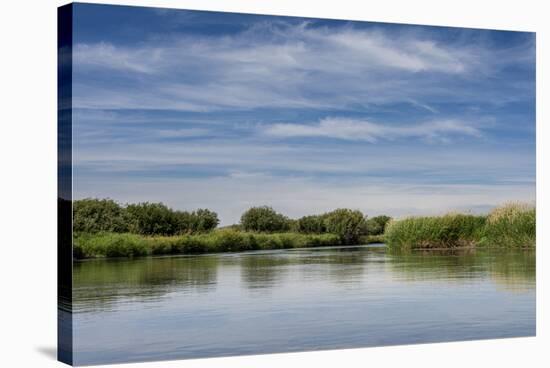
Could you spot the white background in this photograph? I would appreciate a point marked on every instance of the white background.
(28, 181)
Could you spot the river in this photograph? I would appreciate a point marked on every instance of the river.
(297, 300)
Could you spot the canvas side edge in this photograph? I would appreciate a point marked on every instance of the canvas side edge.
(64, 185)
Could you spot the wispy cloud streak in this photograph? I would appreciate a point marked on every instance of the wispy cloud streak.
(222, 111)
(289, 65)
(363, 130)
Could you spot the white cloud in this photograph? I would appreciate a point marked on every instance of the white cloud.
(281, 66)
(278, 65)
(363, 130)
(106, 55)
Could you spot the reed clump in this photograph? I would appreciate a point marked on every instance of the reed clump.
(512, 225)
(447, 231)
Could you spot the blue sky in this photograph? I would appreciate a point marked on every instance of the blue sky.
(226, 111)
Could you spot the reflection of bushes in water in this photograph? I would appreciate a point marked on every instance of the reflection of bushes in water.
(341, 257)
(340, 265)
(263, 271)
(443, 264)
(98, 283)
(511, 268)
(514, 271)
(353, 262)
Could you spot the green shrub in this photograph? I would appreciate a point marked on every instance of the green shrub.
(264, 219)
(105, 215)
(347, 224)
(314, 224)
(204, 220)
(377, 225)
(98, 215)
(151, 219)
(199, 221)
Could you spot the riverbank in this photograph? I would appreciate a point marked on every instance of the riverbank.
(508, 226)
(132, 245)
(226, 240)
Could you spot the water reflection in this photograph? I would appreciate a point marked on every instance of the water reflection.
(510, 269)
(101, 283)
(264, 271)
(296, 300)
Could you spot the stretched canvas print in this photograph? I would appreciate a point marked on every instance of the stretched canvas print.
(237, 184)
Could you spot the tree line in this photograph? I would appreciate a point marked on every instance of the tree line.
(106, 215)
(347, 223)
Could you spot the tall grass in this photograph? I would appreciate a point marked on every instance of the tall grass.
(512, 225)
(448, 231)
(227, 240)
(109, 245)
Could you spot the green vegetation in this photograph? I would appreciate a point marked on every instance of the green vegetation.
(264, 219)
(109, 245)
(104, 228)
(448, 231)
(95, 215)
(372, 239)
(314, 224)
(132, 245)
(512, 225)
(377, 225)
(348, 224)
(105, 215)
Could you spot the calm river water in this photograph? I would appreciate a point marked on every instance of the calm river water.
(297, 300)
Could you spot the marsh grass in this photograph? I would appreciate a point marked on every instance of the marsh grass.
(512, 225)
(109, 245)
(448, 231)
(226, 240)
